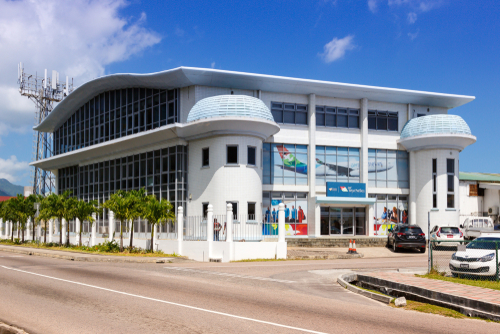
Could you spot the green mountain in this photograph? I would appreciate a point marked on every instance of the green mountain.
(9, 189)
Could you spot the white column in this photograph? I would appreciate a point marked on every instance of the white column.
(28, 230)
(313, 221)
(77, 231)
(11, 227)
(39, 231)
(51, 229)
(281, 222)
(180, 228)
(413, 189)
(3, 229)
(370, 213)
(111, 224)
(94, 230)
(64, 229)
(229, 223)
(210, 229)
(364, 142)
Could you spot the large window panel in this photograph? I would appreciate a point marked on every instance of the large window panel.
(284, 164)
(289, 113)
(388, 169)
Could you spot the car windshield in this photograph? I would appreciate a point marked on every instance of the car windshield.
(484, 243)
(450, 230)
(410, 229)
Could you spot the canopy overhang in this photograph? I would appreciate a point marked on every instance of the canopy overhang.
(345, 200)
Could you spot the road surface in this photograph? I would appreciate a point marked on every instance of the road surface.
(43, 295)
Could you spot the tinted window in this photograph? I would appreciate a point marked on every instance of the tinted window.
(484, 243)
(410, 229)
(232, 154)
(450, 230)
(251, 156)
(205, 157)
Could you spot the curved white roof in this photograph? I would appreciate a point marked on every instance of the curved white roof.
(229, 105)
(188, 76)
(435, 124)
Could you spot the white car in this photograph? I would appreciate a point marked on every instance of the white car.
(479, 258)
(451, 235)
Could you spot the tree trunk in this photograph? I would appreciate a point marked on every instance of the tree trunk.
(18, 231)
(80, 241)
(45, 233)
(22, 234)
(12, 232)
(60, 231)
(121, 236)
(152, 237)
(33, 229)
(67, 234)
(131, 234)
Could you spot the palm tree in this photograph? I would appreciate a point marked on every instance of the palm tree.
(21, 207)
(9, 215)
(69, 214)
(55, 209)
(138, 199)
(120, 204)
(157, 212)
(84, 211)
(44, 216)
(33, 199)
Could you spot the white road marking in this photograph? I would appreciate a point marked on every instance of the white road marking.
(228, 274)
(167, 302)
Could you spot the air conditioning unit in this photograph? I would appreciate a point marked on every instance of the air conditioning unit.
(493, 211)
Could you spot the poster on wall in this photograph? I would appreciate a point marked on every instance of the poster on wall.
(295, 215)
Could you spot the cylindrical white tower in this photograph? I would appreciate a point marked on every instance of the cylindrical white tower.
(434, 143)
(225, 135)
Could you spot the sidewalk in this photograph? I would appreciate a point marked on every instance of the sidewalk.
(79, 256)
(466, 299)
(339, 252)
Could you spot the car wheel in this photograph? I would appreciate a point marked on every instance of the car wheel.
(394, 247)
(454, 275)
(422, 250)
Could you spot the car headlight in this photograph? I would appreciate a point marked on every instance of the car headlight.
(487, 258)
(454, 256)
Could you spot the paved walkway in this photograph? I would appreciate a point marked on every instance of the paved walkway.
(456, 289)
(77, 256)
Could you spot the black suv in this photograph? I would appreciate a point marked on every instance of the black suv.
(406, 236)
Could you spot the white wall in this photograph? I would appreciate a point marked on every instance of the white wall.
(220, 183)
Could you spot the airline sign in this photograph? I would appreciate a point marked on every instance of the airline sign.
(342, 189)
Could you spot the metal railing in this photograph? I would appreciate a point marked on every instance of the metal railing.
(167, 230)
(477, 259)
(195, 228)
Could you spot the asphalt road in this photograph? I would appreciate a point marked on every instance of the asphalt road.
(43, 295)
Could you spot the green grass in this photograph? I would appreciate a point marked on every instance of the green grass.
(95, 250)
(370, 290)
(480, 282)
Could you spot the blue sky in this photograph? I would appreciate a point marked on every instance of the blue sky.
(443, 46)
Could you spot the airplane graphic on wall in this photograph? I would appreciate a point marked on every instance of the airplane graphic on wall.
(291, 163)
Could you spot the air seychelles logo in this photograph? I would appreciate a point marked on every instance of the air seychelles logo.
(344, 189)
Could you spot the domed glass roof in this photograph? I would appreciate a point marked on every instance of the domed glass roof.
(229, 105)
(435, 124)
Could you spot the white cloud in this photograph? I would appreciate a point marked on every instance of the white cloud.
(212, 65)
(413, 35)
(11, 169)
(179, 32)
(77, 38)
(412, 17)
(336, 48)
(373, 5)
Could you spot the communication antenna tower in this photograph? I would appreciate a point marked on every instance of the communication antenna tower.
(43, 91)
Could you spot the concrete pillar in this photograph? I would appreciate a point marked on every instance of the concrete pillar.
(412, 215)
(370, 213)
(64, 229)
(180, 228)
(313, 220)
(51, 229)
(363, 162)
(39, 232)
(111, 224)
(11, 227)
(77, 231)
(210, 229)
(93, 234)
(28, 230)
(409, 114)
(229, 223)
(281, 222)
(3, 229)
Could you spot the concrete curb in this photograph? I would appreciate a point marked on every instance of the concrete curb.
(345, 280)
(6, 329)
(93, 258)
(469, 307)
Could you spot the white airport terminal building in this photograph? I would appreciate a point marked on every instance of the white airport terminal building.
(346, 160)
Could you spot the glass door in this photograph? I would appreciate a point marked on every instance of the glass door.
(347, 221)
(335, 221)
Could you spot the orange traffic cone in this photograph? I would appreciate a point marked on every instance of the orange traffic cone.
(354, 248)
(350, 247)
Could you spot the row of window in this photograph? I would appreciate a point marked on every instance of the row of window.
(115, 114)
(383, 120)
(231, 155)
(450, 178)
(337, 117)
(388, 169)
(162, 172)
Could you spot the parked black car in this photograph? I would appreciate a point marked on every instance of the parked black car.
(406, 236)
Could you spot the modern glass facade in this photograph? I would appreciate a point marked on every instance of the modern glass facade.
(114, 114)
(284, 164)
(388, 169)
(337, 164)
(162, 172)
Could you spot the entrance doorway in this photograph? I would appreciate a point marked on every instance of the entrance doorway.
(342, 221)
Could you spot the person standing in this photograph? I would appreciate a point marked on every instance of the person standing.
(274, 215)
(217, 228)
(301, 215)
(267, 215)
(294, 214)
(287, 214)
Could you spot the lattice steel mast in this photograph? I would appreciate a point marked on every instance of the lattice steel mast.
(43, 92)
